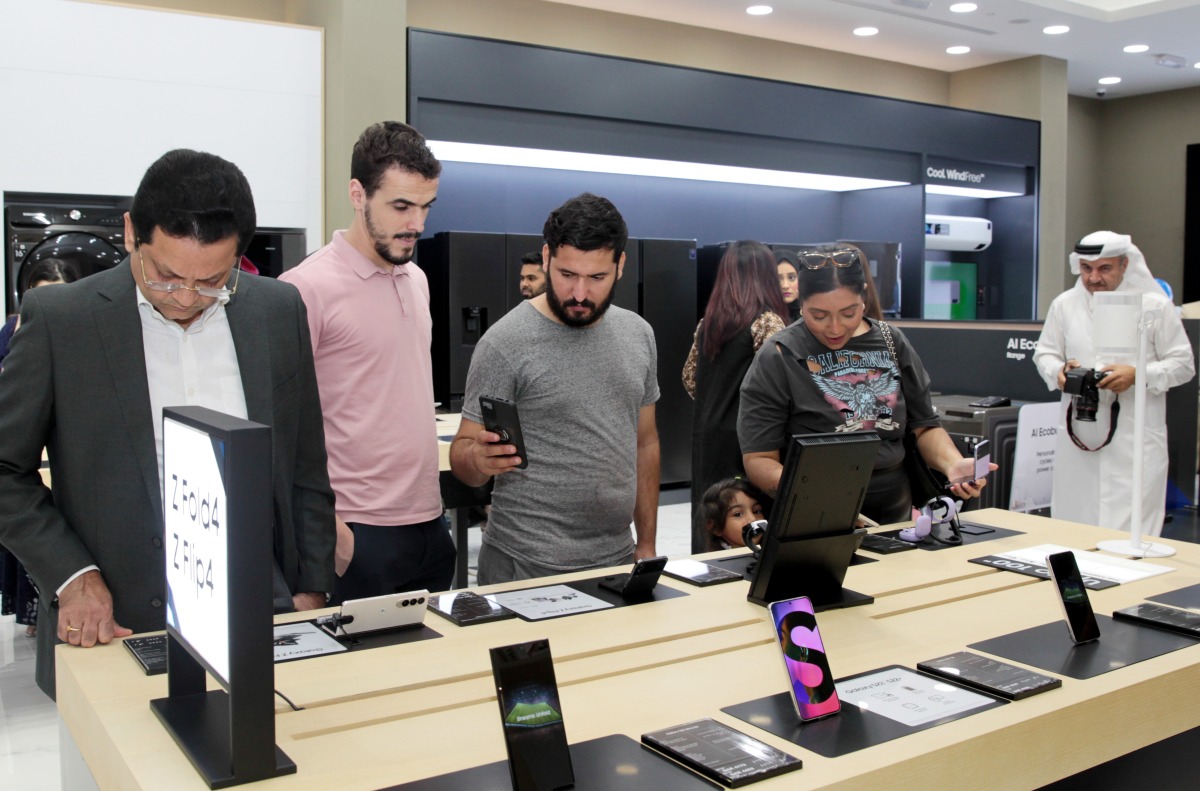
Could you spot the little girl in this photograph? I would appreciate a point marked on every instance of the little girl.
(725, 508)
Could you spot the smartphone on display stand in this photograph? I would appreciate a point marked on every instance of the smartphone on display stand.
(500, 417)
(1077, 608)
(539, 758)
(810, 680)
(639, 582)
(983, 463)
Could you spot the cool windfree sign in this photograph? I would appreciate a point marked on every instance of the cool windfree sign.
(976, 175)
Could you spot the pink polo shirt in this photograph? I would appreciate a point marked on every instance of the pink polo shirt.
(371, 335)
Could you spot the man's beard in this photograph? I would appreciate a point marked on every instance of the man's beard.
(382, 242)
(559, 309)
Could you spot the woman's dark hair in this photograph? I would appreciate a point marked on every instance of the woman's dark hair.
(194, 195)
(51, 270)
(747, 285)
(714, 506)
(831, 278)
(874, 310)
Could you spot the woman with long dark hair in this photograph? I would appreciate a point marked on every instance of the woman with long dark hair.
(838, 370)
(745, 308)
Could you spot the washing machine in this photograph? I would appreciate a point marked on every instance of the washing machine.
(87, 231)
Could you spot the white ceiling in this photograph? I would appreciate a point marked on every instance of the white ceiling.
(917, 32)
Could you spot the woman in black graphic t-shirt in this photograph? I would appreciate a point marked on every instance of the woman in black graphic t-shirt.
(833, 371)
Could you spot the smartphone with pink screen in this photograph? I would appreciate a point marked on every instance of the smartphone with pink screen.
(809, 679)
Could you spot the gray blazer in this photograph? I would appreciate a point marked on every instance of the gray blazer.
(75, 383)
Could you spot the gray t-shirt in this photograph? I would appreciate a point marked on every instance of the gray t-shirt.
(579, 392)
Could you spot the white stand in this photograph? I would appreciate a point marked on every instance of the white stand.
(1135, 546)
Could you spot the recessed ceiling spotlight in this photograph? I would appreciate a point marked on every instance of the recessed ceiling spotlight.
(1056, 30)
(1196, 65)
(1109, 80)
(963, 8)
(759, 10)
(957, 50)
(865, 31)
(1133, 48)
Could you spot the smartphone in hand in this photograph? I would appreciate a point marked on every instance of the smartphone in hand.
(983, 463)
(810, 681)
(1077, 608)
(500, 417)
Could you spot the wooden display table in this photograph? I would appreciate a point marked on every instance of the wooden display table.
(376, 718)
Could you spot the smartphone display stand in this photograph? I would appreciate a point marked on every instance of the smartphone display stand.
(600, 764)
(850, 730)
(812, 566)
(1049, 647)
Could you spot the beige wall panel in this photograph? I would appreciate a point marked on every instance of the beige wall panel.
(1031, 88)
(1086, 196)
(1144, 160)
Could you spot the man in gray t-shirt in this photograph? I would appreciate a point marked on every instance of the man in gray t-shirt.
(582, 375)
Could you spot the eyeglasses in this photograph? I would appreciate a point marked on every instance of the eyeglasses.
(814, 259)
(203, 291)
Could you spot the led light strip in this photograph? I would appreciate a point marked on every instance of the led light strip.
(637, 166)
(968, 192)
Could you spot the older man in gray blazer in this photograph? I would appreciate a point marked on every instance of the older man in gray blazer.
(90, 370)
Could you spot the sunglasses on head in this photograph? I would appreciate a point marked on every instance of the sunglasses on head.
(814, 259)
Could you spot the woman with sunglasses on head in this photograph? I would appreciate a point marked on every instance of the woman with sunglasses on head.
(834, 370)
(745, 309)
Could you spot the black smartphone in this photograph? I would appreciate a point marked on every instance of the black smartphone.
(639, 582)
(539, 758)
(467, 607)
(500, 416)
(810, 681)
(983, 463)
(990, 675)
(1159, 616)
(1077, 608)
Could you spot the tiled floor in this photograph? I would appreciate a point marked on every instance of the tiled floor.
(29, 724)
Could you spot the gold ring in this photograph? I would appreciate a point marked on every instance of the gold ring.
(74, 629)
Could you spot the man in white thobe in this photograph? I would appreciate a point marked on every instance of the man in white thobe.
(1093, 483)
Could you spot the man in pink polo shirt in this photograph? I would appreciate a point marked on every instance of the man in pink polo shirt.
(368, 310)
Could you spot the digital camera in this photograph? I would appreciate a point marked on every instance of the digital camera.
(1081, 383)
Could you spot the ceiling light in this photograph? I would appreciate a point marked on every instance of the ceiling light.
(865, 31)
(637, 166)
(1109, 80)
(1171, 61)
(759, 10)
(963, 8)
(967, 192)
(1056, 30)
(1133, 48)
(957, 50)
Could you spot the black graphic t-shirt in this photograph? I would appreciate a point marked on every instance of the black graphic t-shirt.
(797, 385)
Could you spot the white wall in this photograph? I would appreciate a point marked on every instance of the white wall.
(93, 94)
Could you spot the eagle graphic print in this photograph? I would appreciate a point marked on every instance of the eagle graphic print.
(861, 385)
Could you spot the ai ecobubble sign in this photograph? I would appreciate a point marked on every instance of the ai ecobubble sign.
(197, 550)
